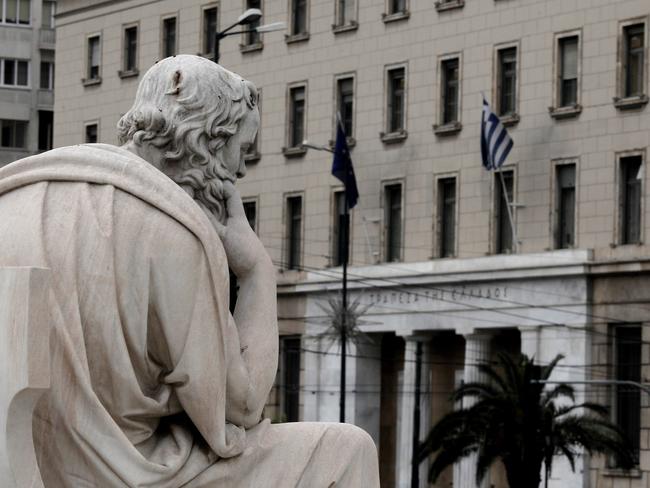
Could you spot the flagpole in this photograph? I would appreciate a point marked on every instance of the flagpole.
(344, 287)
(344, 300)
(504, 190)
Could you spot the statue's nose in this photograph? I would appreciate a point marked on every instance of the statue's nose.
(241, 171)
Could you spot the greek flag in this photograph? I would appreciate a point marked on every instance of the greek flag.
(495, 141)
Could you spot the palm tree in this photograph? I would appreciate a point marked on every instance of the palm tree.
(517, 420)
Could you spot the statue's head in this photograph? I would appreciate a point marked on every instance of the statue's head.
(199, 118)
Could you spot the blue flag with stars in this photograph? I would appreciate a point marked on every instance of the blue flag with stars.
(342, 167)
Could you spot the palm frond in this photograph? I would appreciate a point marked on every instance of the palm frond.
(474, 389)
(596, 435)
(493, 375)
(487, 454)
(513, 371)
(451, 454)
(548, 369)
(596, 408)
(450, 426)
(561, 390)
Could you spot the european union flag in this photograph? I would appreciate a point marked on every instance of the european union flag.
(342, 167)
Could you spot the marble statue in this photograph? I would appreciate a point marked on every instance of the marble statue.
(153, 382)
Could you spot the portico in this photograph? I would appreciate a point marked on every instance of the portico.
(463, 312)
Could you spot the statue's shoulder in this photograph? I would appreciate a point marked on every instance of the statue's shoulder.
(99, 164)
(104, 164)
(83, 162)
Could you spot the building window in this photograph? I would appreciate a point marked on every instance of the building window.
(290, 365)
(13, 134)
(47, 19)
(94, 55)
(345, 104)
(338, 228)
(396, 7)
(169, 35)
(14, 72)
(446, 217)
(297, 120)
(634, 60)
(130, 59)
(345, 13)
(507, 81)
(630, 191)
(565, 205)
(45, 129)
(252, 37)
(502, 228)
(16, 11)
(250, 209)
(209, 30)
(294, 231)
(396, 100)
(393, 222)
(567, 71)
(47, 75)
(627, 400)
(450, 93)
(298, 17)
(91, 133)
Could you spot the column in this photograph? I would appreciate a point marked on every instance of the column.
(406, 407)
(477, 351)
(530, 341)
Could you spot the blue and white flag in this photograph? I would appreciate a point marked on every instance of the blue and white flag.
(495, 141)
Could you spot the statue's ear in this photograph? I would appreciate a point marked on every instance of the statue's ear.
(175, 83)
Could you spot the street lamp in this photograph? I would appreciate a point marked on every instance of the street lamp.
(248, 17)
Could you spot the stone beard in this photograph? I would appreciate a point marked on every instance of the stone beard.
(153, 382)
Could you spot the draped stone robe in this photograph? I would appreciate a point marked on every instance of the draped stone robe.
(143, 341)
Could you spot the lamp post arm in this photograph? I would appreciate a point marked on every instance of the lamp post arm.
(641, 386)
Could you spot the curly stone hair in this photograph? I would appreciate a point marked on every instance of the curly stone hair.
(188, 107)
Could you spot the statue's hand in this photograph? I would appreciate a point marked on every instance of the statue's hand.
(243, 248)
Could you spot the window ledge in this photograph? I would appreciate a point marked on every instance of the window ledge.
(630, 103)
(251, 48)
(294, 152)
(128, 74)
(91, 81)
(16, 87)
(292, 38)
(620, 473)
(509, 119)
(393, 137)
(565, 112)
(396, 16)
(625, 244)
(253, 157)
(350, 140)
(447, 129)
(443, 5)
(352, 26)
(20, 26)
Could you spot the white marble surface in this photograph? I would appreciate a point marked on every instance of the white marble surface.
(154, 382)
